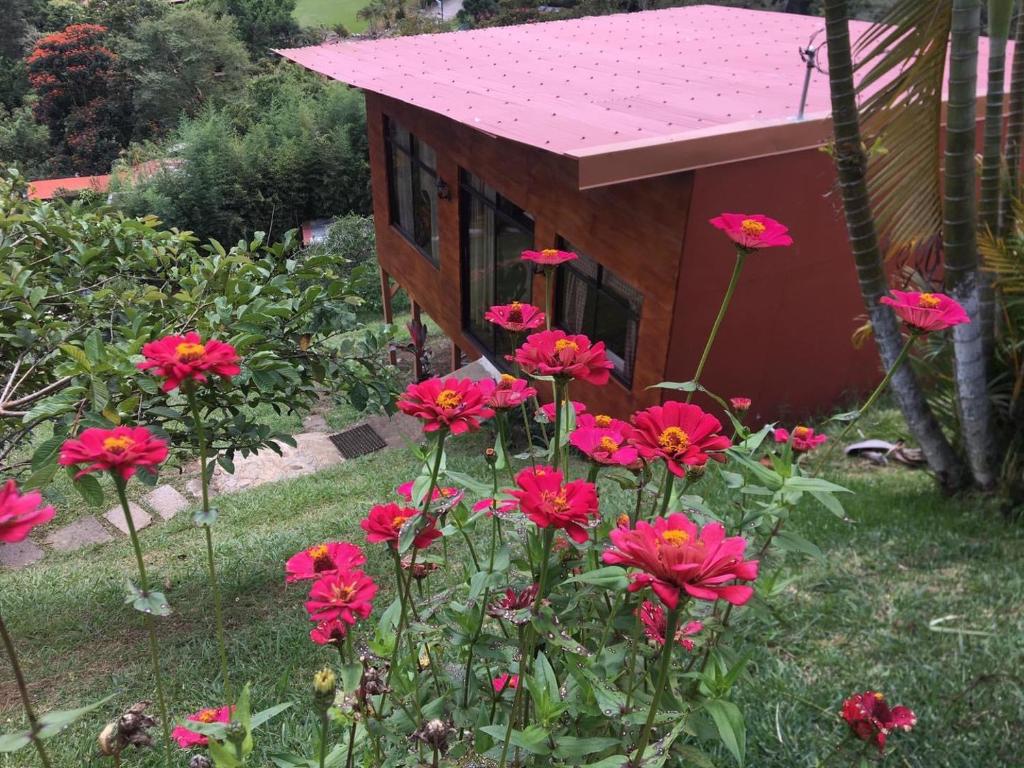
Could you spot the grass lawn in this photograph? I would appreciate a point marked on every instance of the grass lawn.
(328, 13)
(862, 618)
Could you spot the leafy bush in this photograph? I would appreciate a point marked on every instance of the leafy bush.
(81, 290)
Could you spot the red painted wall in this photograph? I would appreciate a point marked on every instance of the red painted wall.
(786, 342)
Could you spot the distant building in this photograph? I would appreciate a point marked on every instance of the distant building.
(72, 186)
(619, 137)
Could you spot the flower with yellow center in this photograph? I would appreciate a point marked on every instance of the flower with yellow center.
(559, 503)
(448, 399)
(319, 554)
(508, 379)
(344, 592)
(550, 252)
(608, 444)
(879, 696)
(602, 420)
(928, 301)
(622, 520)
(752, 228)
(398, 521)
(206, 716)
(563, 344)
(801, 432)
(189, 352)
(118, 444)
(515, 312)
(674, 440)
(674, 537)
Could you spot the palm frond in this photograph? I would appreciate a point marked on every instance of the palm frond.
(901, 65)
(1004, 257)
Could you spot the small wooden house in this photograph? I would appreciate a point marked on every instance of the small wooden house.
(618, 137)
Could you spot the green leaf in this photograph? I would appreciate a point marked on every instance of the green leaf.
(731, 728)
(534, 739)
(54, 721)
(468, 482)
(609, 577)
(205, 517)
(572, 747)
(270, 712)
(678, 386)
(89, 488)
(152, 603)
(801, 483)
(791, 542)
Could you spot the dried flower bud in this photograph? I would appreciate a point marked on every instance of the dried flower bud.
(235, 732)
(491, 457)
(435, 734)
(373, 683)
(419, 570)
(109, 743)
(696, 472)
(131, 728)
(200, 761)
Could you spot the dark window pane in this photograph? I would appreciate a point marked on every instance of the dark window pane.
(412, 189)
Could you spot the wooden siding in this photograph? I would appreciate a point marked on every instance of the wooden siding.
(635, 229)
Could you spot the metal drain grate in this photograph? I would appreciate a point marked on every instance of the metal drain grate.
(357, 441)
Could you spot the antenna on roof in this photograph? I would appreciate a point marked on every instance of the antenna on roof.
(809, 55)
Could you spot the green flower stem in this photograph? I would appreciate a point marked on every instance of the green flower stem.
(549, 292)
(666, 491)
(403, 597)
(324, 730)
(882, 385)
(529, 434)
(741, 256)
(606, 631)
(639, 502)
(26, 702)
(548, 540)
(154, 647)
(503, 435)
(659, 688)
(211, 562)
(525, 649)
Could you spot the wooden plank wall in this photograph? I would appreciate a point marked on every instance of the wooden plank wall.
(635, 229)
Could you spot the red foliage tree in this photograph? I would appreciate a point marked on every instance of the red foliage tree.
(80, 96)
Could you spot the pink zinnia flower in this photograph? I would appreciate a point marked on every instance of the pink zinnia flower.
(345, 595)
(181, 358)
(510, 392)
(458, 405)
(331, 632)
(513, 604)
(655, 622)
(871, 718)
(602, 421)
(442, 499)
(680, 433)
(550, 504)
(556, 353)
(548, 411)
(605, 446)
(20, 513)
(740, 404)
(323, 558)
(549, 257)
(675, 556)
(187, 739)
(122, 450)
(516, 317)
(926, 312)
(752, 231)
(501, 682)
(384, 524)
(804, 438)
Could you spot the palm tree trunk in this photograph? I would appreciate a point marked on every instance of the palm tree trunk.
(851, 168)
(960, 243)
(1014, 129)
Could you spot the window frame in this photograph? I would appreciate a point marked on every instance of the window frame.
(390, 147)
(602, 291)
(468, 193)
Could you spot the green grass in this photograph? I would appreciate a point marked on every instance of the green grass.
(330, 13)
(860, 619)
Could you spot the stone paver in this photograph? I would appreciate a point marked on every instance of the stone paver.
(81, 533)
(397, 430)
(19, 555)
(166, 501)
(479, 370)
(140, 517)
(315, 422)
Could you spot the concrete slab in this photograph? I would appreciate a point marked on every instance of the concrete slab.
(20, 555)
(81, 533)
(397, 430)
(140, 517)
(479, 370)
(166, 501)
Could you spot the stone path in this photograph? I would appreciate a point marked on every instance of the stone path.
(313, 452)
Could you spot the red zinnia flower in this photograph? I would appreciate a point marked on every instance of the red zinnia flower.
(680, 434)
(549, 257)
(180, 358)
(501, 682)
(804, 438)
(442, 499)
(458, 405)
(740, 404)
(121, 449)
(675, 556)
(548, 411)
(516, 317)
(605, 446)
(345, 595)
(510, 392)
(926, 311)
(331, 632)
(187, 739)
(495, 506)
(20, 513)
(655, 622)
(752, 231)
(548, 503)
(323, 558)
(384, 523)
(602, 421)
(513, 604)
(556, 353)
(870, 717)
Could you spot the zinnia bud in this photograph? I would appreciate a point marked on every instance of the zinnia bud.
(235, 732)
(491, 457)
(324, 685)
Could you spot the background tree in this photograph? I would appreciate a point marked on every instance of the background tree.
(180, 61)
(262, 24)
(24, 143)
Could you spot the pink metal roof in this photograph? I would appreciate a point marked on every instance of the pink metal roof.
(627, 95)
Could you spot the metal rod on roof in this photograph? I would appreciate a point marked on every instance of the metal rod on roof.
(809, 55)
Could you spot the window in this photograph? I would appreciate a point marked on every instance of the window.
(593, 300)
(495, 232)
(412, 189)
